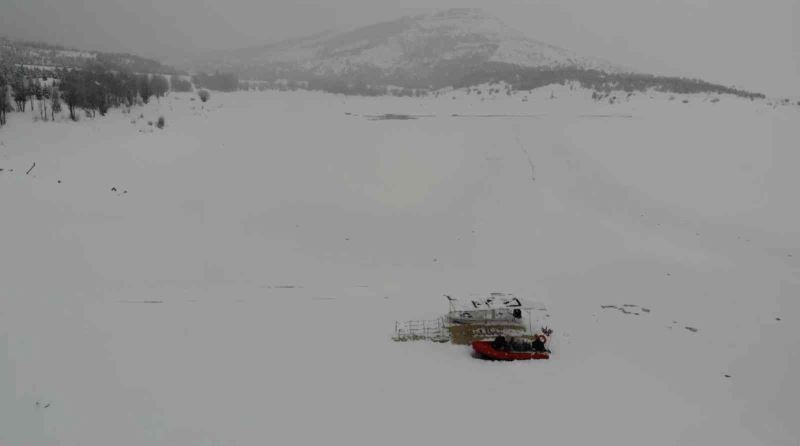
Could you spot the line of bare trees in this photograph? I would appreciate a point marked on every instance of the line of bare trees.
(96, 90)
(93, 90)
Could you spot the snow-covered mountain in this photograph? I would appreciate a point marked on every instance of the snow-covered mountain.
(431, 49)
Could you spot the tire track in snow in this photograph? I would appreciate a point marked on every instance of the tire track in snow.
(524, 151)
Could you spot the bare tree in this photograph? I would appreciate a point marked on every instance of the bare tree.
(5, 101)
(55, 102)
(159, 86)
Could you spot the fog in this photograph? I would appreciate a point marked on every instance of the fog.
(754, 45)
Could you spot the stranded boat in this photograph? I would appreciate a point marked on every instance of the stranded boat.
(512, 350)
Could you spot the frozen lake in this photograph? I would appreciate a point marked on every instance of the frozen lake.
(235, 277)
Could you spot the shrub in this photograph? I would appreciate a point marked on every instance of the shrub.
(161, 122)
(204, 95)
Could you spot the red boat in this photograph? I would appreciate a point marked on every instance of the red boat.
(487, 350)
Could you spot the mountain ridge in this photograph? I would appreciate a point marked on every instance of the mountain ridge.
(448, 48)
(404, 49)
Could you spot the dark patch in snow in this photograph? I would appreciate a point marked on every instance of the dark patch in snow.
(611, 115)
(692, 329)
(456, 115)
(394, 116)
(625, 309)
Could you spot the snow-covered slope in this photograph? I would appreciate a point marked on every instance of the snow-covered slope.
(44, 56)
(410, 46)
(235, 278)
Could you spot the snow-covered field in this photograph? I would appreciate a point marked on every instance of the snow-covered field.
(234, 278)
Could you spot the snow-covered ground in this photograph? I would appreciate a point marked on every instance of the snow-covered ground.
(235, 277)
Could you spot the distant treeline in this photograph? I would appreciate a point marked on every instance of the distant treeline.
(472, 71)
(336, 86)
(525, 78)
(180, 85)
(97, 90)
(217, 81)
(41, 77)
(93, 89)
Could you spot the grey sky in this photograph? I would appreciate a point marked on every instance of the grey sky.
(752, 44)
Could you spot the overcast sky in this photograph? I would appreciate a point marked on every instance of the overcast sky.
(747, 43)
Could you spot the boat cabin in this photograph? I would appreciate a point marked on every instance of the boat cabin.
(495, 308)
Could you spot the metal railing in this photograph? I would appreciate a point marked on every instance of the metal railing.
(434, 330)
